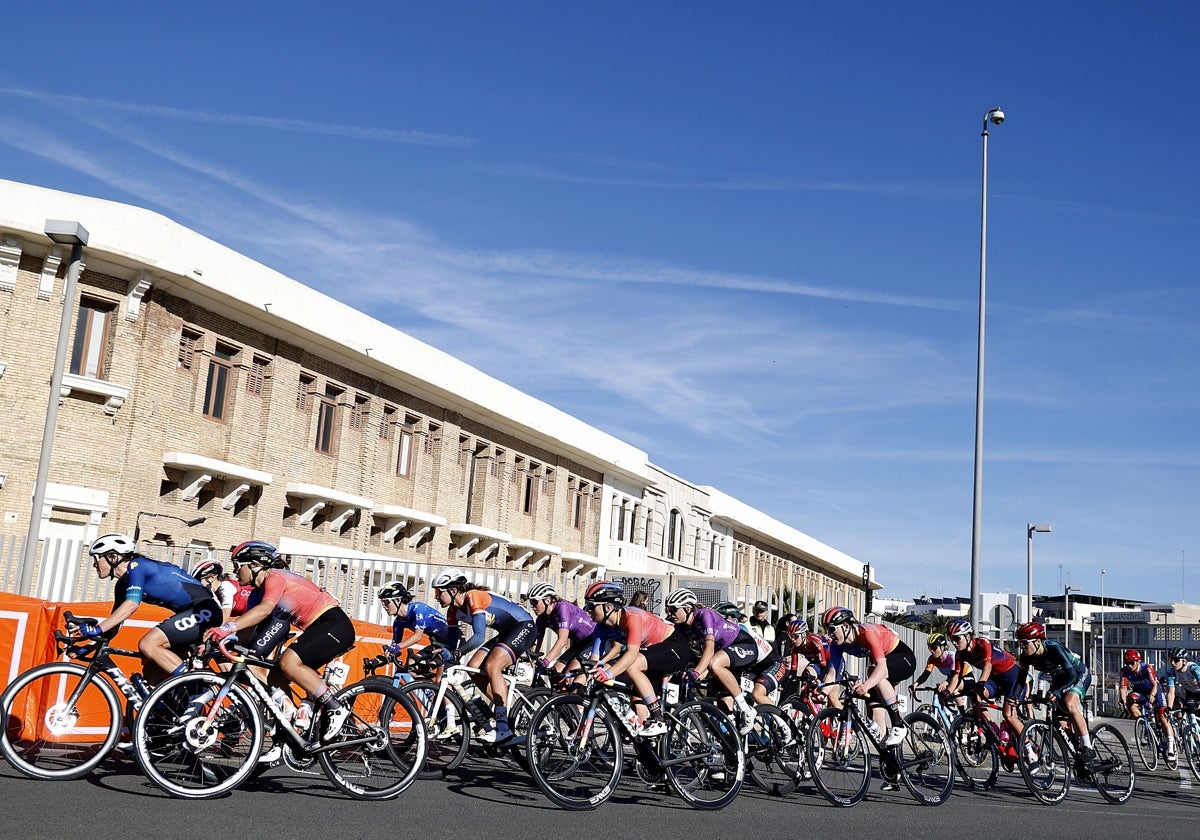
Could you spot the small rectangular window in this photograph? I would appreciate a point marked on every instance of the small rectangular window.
(189, 342)
(303, 389)
(216, 388)
(257, 376)
(327, 419)
(360, 412)
(404, 452)
(386, 423)
(89, 351)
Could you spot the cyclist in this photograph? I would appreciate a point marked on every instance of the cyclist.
(941, 660)
(140, 579)
(1139, 682)
(514, 627)
(892, 662)
(768, 667)
(725, 648)
(408, 614)
(1183, 680)
(282, 599)
(571, 626)
(1069, 678)
(652, 649)
(998, 671)
(212, 574)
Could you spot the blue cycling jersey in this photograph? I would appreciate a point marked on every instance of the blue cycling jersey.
(160, 584)
(423, 619)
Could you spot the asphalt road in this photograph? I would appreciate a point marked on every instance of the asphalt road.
(489, 800)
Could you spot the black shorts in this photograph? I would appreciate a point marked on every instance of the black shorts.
(327, 638)
(267, 635)
(187, 626)
(516, 639)
(742, 652)
(667, 657)
(901, 664)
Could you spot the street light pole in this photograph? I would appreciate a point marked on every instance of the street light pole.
(1103, 609)
(137, 521)
(1030, 529)
(1067, 590)
(995, 116)
(75, 235)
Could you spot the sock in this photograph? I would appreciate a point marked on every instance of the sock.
(179, 669)
(502, 717)
(653, 706)
(740, 702)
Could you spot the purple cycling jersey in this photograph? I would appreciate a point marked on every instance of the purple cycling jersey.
(566, 616)
(710, 623)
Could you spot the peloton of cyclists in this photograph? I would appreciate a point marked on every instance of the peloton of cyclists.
(1138, 682)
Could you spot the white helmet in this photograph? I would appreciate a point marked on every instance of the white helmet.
(448, 578)
(112, 542)
(541, 591)
(681, 598)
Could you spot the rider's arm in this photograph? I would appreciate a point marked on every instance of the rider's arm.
(478, 632)
(706, 655)
(562, 641)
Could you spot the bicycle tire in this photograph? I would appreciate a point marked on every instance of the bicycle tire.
(976, 754)
(380, 749)
(1189, 741)
(1113, 773)
(59, 741)
(1049, 777)
(1146, 743)
(576, 765)
(926, 760)
(773, 752)
(446, 727)
(715, 769)
(839, 763)
(185, 755)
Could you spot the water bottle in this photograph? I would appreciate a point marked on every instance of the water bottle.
(304, 714)
(280, 699)
(140, 685)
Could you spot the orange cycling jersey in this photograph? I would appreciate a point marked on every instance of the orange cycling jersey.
(642, 628)
(296, 598)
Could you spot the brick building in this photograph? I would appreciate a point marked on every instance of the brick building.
(200, 383)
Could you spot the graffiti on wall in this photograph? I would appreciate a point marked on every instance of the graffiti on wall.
(637, 586)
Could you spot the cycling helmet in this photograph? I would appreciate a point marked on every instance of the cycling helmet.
(112, 542)
(448, 578)
(1029, 631)
(960, 627)
(728, 609)
(1176, 653)
(936, 640)
(253, 551)
(542, 591)
(1132, 657)
(797, 627)
(605, 592)
(835, 616)
(681, 598)
(204, 568)
(394, 591)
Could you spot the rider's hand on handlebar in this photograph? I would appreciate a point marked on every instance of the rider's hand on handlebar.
(218, 634)
(90, 631)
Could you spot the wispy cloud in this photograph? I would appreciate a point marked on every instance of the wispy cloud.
(385, 135)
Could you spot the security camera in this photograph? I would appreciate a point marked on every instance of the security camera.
(996, 116)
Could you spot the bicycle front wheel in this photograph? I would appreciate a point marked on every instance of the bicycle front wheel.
(446, 727)
(976, 755)
(773, 752)
(1112, 772)
(837, 758)
(926, 760)
(1045, 762)
(185, 753)
(705, 760)
(575, 760)
(1146, 743)
(56, 726)
(380, 749)
(1189, 741)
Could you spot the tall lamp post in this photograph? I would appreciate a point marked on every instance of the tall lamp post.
(137, 522)
(1067, 590)
(75, 235)
(1103, 609)
(1030, 530)
(995, 116)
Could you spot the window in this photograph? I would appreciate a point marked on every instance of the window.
(674, 535)
(360, 412)
(216, 389)
(257, 376)
(303, 389)
(431, 432)
(404, 452)
(327, 419)
(529, 483)
(90, 350)
(385, 425)
(189, 342)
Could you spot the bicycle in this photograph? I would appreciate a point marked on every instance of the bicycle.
(935, 708)
(1150, 738)
(1187, 732)
(201, 734)
(1049, 756)
(982, 746)
(577, 741)
(838, 750)
(61, 718)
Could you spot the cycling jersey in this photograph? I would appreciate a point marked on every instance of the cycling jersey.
(1141, 679)
(1064, 670)
(297, 599)
(874, 641)
(707, 624)
(815, 648)
(487, 610)
(980, 651)
(563, 615)
(637, 628)
(160, 584)
(1187, 680)
(422, 618)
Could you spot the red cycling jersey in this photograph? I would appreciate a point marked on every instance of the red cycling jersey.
(642, 628)
(296, 598)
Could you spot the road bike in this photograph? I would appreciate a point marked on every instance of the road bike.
(62, 718)
(1150, 737)
(1049, 757)
(201, 734)
(982, 746)
(1187, 731)
(839, 743)
(577, 742)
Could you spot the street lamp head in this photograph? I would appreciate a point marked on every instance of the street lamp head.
(995, 116)
(1040, 529)
(66, 233)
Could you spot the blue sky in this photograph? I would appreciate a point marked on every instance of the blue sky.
(744, 237)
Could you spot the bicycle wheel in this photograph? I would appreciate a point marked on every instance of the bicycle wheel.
(773, 752)
(976, 754)
(1146, 743)
(1189, 739)
(446, 727)
(705, 760)
(840, 766)
(380, 749)
(1112, 772)
(1045, 762)
(55, 725)
(574, 760)
(926, 760)
(185, 754)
